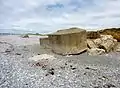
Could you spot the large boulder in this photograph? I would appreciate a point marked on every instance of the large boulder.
(68, 41)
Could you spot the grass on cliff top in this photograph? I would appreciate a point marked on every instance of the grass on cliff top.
(37, 34)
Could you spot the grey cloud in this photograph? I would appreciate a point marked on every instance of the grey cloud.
(46, 16)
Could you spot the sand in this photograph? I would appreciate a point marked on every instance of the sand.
(17, 70)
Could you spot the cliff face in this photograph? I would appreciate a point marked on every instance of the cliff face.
(115, 32)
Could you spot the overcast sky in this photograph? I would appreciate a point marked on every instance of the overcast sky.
(49, 15)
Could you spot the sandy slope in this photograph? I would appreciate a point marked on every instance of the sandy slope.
(80, 71)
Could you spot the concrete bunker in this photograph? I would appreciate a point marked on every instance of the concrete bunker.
(68, 41)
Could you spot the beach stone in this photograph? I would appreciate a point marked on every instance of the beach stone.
(68, 41)
(95, 51)
(109, 85)
(50, 71)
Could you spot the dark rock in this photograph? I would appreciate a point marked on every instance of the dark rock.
(18, 54)
(26, 84)
(25, 36)
(7, 50)
(44, 67)
(65, 63)
(46, 74)
(73, 68)
(84, 73)
(97, 87)
(104, 77)
(90, 68)
(62, 67)
(109, 85)
(87, 68)
(51, 71)
(25, 47)
(38, 64)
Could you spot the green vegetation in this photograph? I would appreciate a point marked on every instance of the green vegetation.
(37, 34)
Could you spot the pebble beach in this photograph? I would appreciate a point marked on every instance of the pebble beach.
(25, 64)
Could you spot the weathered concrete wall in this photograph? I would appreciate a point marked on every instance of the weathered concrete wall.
(44, 42)
(72, 41)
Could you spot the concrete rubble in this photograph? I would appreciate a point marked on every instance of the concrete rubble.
(117, 49)
(91, 44)
(75, 41)
(105, 42)
(95, 51)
